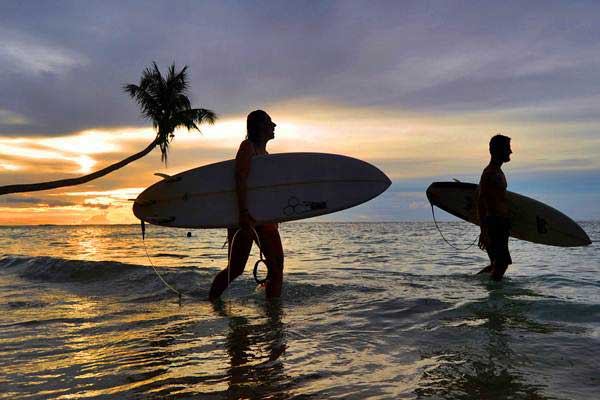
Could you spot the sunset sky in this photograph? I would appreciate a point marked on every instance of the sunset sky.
(416, 88)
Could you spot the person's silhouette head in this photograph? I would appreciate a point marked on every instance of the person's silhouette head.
(500, 148)
(260, 127)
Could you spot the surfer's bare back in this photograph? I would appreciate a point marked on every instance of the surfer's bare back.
(492, 208)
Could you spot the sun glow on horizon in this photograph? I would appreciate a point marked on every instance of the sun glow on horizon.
(85, 164)
(122, 193)
(87, 142)
(9, 166)
(404, 145)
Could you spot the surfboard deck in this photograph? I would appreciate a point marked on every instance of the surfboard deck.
(530, 219)
(280, 187)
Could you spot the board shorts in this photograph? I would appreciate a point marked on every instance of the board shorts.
(498, 230)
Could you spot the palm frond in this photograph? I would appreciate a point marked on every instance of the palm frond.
(193, 117)
(177, 81)
(163, 100)
(182, 102)
(203, 115)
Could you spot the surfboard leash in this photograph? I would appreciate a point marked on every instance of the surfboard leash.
(261, 259)
(180, 294)
(171, 288)
(446, 240)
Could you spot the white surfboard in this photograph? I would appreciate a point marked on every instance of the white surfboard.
(280, 187)
(530, 219)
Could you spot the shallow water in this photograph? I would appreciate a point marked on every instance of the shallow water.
(369, 311)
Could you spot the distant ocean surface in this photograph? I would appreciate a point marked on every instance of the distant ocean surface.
(370, 310)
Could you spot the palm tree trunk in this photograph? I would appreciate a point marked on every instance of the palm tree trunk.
(33, 187)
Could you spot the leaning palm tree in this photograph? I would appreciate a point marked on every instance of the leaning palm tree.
(164, 101)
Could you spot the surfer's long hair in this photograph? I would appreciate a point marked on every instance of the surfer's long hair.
(253, 122)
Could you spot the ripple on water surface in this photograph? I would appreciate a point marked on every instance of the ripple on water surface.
(368, 311)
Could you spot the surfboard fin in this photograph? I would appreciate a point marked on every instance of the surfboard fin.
(455, 180)
(142, 202)
(168, 178)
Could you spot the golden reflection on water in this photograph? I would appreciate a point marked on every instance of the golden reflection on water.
(157, 351)
(254, 351)
(105, 350)
(88, 247)
(83, 329)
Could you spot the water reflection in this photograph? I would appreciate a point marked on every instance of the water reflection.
(255, 349)
(354, 325)
(488, 369)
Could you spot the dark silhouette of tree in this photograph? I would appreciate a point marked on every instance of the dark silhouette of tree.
(164, 101)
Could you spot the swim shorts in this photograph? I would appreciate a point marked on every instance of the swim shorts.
(498, 231)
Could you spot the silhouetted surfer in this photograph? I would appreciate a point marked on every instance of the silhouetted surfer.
(492, 208)
(260, 130)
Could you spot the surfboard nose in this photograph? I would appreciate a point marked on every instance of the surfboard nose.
(585, 238)
(385, 180)
(371, 172)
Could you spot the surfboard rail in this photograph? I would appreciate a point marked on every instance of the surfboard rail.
(281, 187)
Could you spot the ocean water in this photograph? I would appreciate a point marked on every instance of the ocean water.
(369, 310)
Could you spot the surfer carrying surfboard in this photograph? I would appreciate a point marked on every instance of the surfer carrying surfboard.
(260, 129)
(492, 208)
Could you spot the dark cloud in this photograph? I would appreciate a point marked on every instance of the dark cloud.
(420, 56)
(96, 205)
(27, 201)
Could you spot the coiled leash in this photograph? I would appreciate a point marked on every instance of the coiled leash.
(445, 240)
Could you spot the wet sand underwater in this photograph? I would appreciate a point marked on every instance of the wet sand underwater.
(370, 310)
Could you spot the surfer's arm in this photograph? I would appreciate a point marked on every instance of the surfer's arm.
(490, 194)
(481, 211)
(494, 197)
(484, 199)
(242, 170)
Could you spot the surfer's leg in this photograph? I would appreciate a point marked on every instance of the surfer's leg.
(485, 245)
(273, 252)
(502, 263)
(486, 270)
(489, 268)
(238, 256)
(502, 258)
(498, 272)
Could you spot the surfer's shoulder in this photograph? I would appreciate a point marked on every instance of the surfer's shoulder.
(493, 175)
(485, 173)
(246, 149)
(246, 144)
(491, 169)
